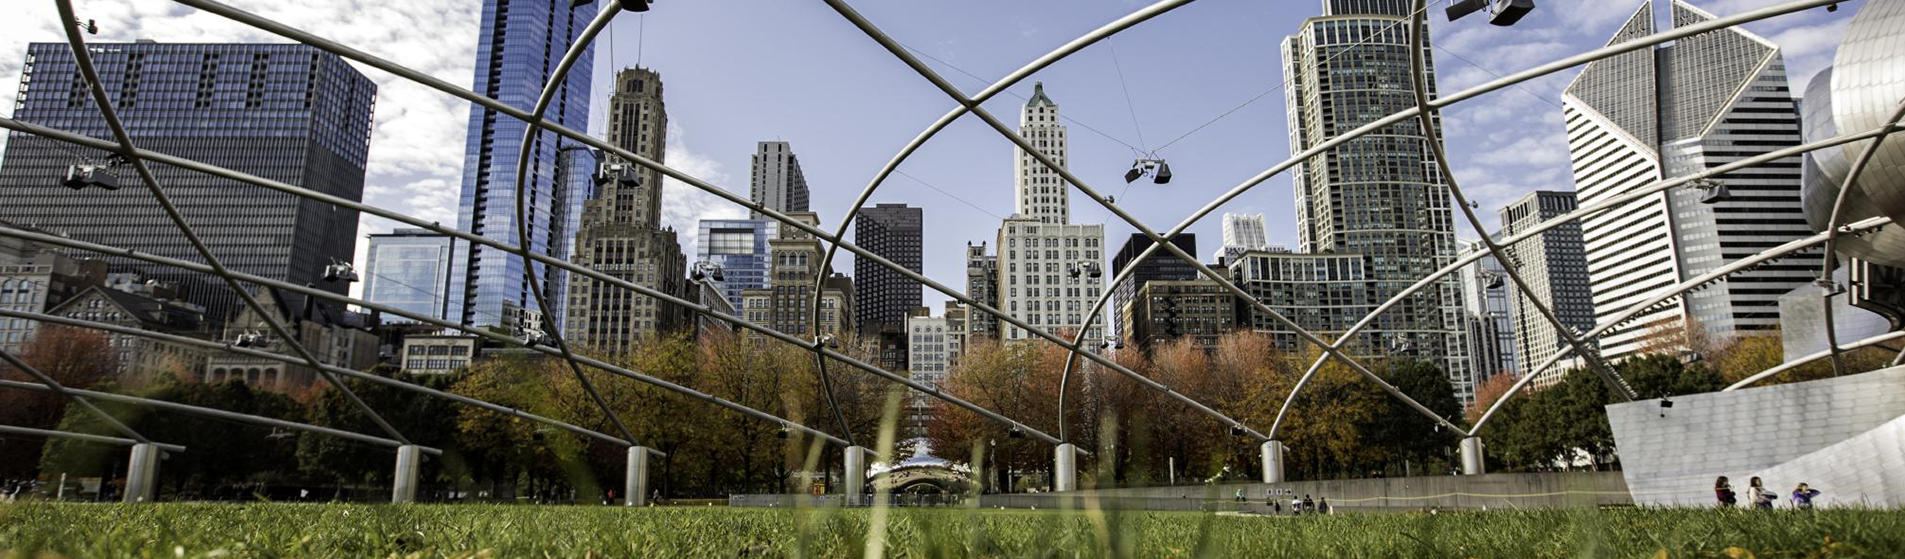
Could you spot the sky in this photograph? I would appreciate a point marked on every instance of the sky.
(737, 72)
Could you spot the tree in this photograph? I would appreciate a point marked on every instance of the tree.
(73, 357)
(422, 418)
(1405, 433)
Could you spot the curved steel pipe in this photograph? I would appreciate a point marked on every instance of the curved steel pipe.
(440, 85)
(84, 60)
(477, 239)
(555, 83)
(1576, 215)
(1832, 236)
(1787, 366)
(1425, 115)
(598, 364)
(218, 413)
(55, 387)
(1668, 293)
(91, 438)
(292, 360)
(1497, 84)
(966, 104)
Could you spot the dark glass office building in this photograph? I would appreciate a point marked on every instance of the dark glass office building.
(1161, 266)
(289, 113)
(882, 297)
(518, 47)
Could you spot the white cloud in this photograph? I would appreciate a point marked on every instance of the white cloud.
(683, 206)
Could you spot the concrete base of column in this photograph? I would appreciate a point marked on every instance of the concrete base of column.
(636, 482)
(403, 487)
(856, 474)
(1472, 464)
(1272, 461)
(1065, 468)
(142, 473)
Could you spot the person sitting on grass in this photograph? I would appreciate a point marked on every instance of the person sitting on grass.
(1724, 492)
(1762, 497)
(1803, 495)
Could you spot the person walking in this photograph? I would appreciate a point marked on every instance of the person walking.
(1308, 504)
(1723, 491)
(1296, 506)
(1803, 496)
(1240, 495)
(1323, 506)
(1762, 497)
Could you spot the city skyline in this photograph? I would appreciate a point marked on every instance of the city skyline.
(966, 159)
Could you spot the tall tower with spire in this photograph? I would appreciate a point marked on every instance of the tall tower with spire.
(1042, 194)
(1050, 271)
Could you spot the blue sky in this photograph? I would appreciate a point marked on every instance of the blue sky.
(740, 71)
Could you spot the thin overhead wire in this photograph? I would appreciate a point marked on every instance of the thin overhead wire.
(1128, 104)
(1286, 81)
(948, 194)
(1497, 75)
(1067, 118)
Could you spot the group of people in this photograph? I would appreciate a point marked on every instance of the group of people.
(1297, 506)
(1762, 498)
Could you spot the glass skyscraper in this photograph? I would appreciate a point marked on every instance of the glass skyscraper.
(285, 112)
(409, 269)
(518, 47)
(1379, 197)
(739, 247)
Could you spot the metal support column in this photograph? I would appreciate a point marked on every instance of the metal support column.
(1272, 461)
(1472, 464)
(142, 473)
(404, 485)
(636, 482)
(1065, 468)
(856, 474)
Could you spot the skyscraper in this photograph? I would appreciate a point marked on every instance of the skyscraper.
(1378, 196)
(1554, 265)
(621, 233)
(1051, 271)
(778, 183)
(883, 298)
(1242, 233)
(739, 247)
(518, 46)
(1042, 194)
(410, 269)
(1669, 111)
(285, 112)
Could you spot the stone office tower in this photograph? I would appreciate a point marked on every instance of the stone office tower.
(1050, 270)
(288, 113)
(1669, 111)
(778, 183)
(621, 231)
(1380, 196)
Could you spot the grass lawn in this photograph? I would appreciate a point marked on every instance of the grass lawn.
(35, 529)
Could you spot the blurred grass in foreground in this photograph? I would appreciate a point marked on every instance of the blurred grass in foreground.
(38, 529)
